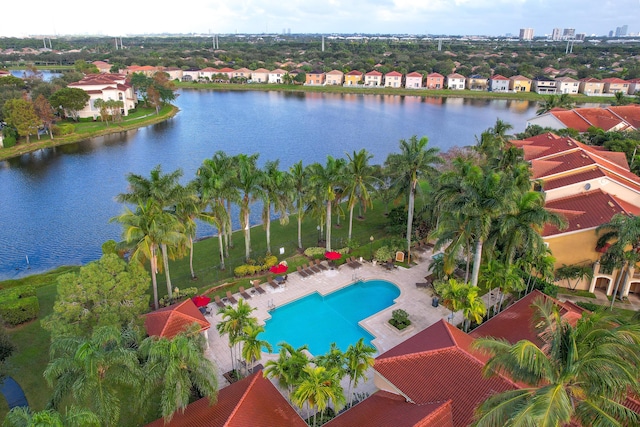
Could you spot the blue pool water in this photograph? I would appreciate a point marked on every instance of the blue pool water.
(319, 321)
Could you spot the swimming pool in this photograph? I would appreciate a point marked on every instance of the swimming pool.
(318, 321)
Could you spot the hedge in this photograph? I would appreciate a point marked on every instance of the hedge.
(19, 311)
(252, 269)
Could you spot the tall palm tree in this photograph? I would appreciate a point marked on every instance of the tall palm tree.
(189, 207)
(503, 276)
(22, 416)
(248, 182)
(252, 346)
(93, 371)
(333, 359)
(327, 179)
(623, 253)
(452, 293)
(299, 183)
(360, 181)
(359, 359)
(472, 306)
(582, 374)
(276, 193)
(163, 191)
(227, 169)
(176, 367)
(234, 320)
(143, 232)
(318, 388)
(414, 162)
(479, 196)
(288, 368)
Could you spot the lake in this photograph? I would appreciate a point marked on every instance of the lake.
(56, 203)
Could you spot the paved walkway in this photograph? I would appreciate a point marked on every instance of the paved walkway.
(415, 301)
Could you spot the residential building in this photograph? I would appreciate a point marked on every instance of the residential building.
(590, 86)
(228, 71)
(526, 33)
(167, 322)
(261, 75)
(615, 85)
(434, 81)
(567, 85)
(275, 76)
(174, 73)
(622, 31)
(352, 78)
(103, 67)
(609, 119)
(634, 86)
(191, 75)
(315, 78)
(208, 73)
(550, 71)
(556, 34)
(334, 78)
(373, 78)
(105, 87)
(147, 70)
(520, 84)
(477, 82)
(414, 80)
(393, 79)
(456, 81)
(241, 73)
(498, 83)
(544, 85)
(569, 33)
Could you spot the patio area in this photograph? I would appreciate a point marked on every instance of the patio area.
(415, 301)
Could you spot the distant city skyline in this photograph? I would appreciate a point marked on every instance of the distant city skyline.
(452, 17)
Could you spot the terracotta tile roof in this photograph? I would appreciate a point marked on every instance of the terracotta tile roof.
(566, 79)
(252, 401)
(522, 314)
(436, 365)
(170, 321)
(628, 113)
(278, 71)
(519, 77)
(435, 76)
(456, 76)
(336, 72)
(587, 210)
(354, 73)
(414, 74)
(374, 73)
(226, 70)
(383, 409)
(498, 77)
(394, 74)
(261, 70)
(590, 80)
(574, 178)
(614, 80)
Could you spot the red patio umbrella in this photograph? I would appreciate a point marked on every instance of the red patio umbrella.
(201, 300)
(279, 269)
(332, 255)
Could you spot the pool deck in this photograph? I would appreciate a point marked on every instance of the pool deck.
(415, 301)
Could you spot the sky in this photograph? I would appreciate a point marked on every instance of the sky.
(454, 17)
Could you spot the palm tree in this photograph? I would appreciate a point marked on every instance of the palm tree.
(360, 179)
(623, 253)
(473, 308)
(276, 192)
(93, 371)
(333, 359)
(226, 171)
(452, 293)
(299, 184)
(21, 416)
(478, 196)
(187, 209)
(359, 359)
(248, 182)
(234, 320)
(318, 388)
(175, 367)
(143, 232)
(288, 368)
(555, 101)
(581, 375)
(327, 180)
(503, 276)
(252, 346)
(414, 162)
(163, 191)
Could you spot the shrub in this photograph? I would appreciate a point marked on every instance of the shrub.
(400, 319)
(10, 137)
(314, 252)
(63, 129)
(270, 261)
(20, 310)
(241, 270)
(383, 254)
(178, 296)
(588, 305)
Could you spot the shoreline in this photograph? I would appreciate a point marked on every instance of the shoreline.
(35, 145)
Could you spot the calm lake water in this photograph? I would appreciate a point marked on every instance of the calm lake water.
(56, 203)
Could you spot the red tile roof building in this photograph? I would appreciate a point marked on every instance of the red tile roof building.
(105, 87)
(169, 321)
(620, 118)
(250, 402)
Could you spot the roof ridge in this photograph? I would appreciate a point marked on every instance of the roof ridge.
(242, 398)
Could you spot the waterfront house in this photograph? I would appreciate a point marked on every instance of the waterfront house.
(105, 87)
(590, 86)
(615, 85)
(455, 81)
(634, 86)
(147, 70)
(242, 74)
(315, 78)
(519, 84)
(393, 79)
(334, 78)
(567, 85)
(434, 81)
(103, 67)
(544, 85)
(477, 82)
(581, 119)
(208, 73)
(174, 73)
(499, 83)
(275, 76)
(228, 71)
(353, 77)
(373, 78)
(167, 322)
(414, 80)
(191, 75)
(261, 75)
